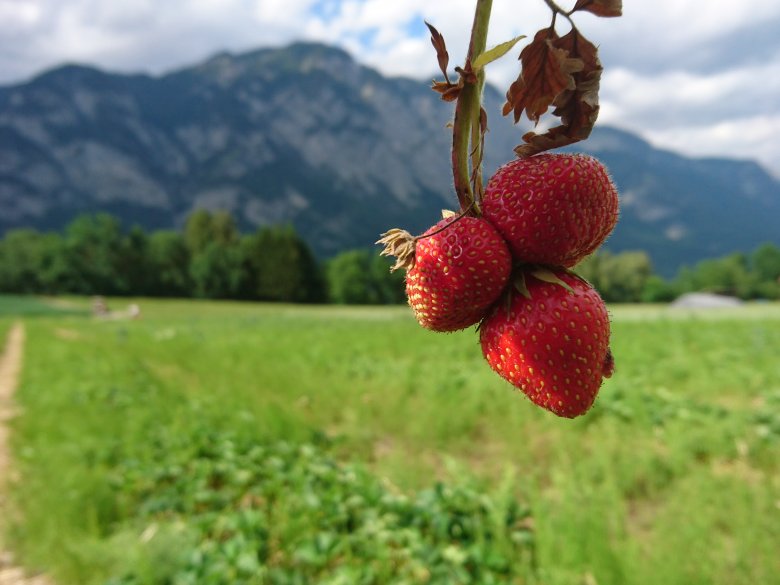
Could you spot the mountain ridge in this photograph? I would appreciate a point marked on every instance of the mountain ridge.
(305, 134)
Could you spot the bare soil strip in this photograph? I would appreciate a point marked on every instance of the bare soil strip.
(10, 368)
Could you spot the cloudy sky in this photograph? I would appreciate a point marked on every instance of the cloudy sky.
(698, 77)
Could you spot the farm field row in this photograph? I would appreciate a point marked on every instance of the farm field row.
(140, 437)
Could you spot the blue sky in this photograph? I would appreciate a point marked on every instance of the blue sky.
(698, 77)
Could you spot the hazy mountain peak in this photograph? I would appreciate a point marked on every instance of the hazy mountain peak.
(296, 59)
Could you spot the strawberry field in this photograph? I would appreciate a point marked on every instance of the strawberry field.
(239, 443)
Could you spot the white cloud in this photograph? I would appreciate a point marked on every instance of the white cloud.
(23, 13)
(660, 27)
(687, 22)
(751, 137)
(679, 94)
(732, 112)
(280, 11)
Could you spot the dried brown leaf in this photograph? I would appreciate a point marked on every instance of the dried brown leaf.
(535, 143)
(578, 107)
(451, 94)
(441, 86)
(600, 7)
(581, 48)
(449, 91)
(546, 72)
(437, 40)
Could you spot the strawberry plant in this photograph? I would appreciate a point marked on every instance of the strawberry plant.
(544, 330)
(220, 511)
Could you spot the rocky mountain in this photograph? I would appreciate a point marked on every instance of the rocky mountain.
(306, 135)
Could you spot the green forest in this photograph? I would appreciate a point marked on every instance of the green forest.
(210, 258)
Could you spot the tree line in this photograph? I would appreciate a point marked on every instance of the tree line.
(629, 276)
(211, 259)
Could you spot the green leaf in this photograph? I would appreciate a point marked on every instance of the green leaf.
(495, 53)
(521, 286)
(546, 275)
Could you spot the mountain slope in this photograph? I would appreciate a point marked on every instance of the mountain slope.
(682, 210)
(305, 134)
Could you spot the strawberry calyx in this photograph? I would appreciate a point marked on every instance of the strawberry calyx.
(401, 244)
(518, 283)
(545, 274)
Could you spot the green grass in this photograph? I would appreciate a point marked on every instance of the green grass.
(30, 306)
(671, 478)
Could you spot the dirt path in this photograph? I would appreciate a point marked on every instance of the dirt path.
(10, 368)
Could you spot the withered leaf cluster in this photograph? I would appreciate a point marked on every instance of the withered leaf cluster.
(600, 7)
(449, 91)
(563, 73)
(558, 72)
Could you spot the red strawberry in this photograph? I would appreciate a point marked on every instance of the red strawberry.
(552, 209)
(460, 267)
(552, 341)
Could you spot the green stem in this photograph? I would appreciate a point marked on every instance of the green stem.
(476, 136)
(466, 139)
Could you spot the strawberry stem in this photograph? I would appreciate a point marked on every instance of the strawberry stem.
(466, 132)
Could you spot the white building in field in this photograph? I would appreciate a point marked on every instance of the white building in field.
(698, 300)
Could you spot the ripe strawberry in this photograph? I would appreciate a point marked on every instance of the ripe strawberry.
(459, 268)
(552, 341)
(553, 209)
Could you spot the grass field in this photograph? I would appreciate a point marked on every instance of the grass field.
(144, 446)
